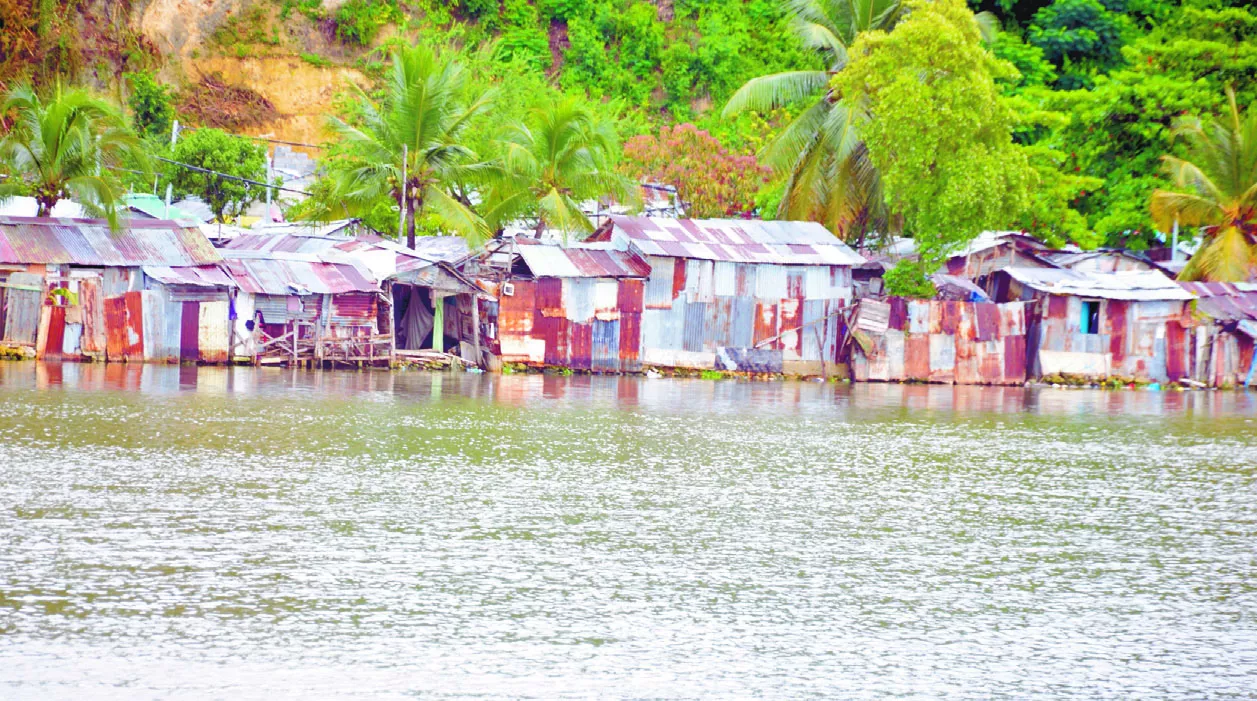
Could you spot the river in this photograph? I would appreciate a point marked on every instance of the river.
(270, 534)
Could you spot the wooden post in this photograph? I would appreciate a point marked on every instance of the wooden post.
(231, 327)
(296, 330)
(392, 328)
(438, 322)
(475, 329)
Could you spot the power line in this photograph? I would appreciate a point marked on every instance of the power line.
(231, 177)
(263, 138)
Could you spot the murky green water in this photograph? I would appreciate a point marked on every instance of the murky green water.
(184, 533)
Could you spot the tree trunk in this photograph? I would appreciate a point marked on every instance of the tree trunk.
(410, 223)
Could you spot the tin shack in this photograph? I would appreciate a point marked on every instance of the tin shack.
(576, 306)
(755, 296)
(316, 293)
(938, 341)
(1221, 345)
(1131, 324)
(74, 289)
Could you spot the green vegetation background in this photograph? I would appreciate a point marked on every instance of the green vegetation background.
(1100, 81)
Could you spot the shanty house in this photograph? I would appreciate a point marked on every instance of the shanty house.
(759, 296)
(1221, 345)
(1098, 261)
(319, 294)
(1097, 325)
(990, 251)
(577, 306)
(938, 340)
(72, 288)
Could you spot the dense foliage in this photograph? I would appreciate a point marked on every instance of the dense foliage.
(218, 151)
(937, 128)
(1090, 91)
(710, 180)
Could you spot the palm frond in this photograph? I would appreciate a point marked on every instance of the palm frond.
(770, 91)
(1225, 257)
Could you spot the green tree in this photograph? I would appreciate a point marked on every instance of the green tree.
(710, 180)
(67, 147)
(1216, 190)
(820, 154)
(419, 128)
(940, 132)
(561, 157)
(1080, 37)
(152, 105)
(226, 154)
(1119, 130)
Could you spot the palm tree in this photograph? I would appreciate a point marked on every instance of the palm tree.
(67, 148)
(1219, 180)
(416, 131)
(564, 155)
(829, 177)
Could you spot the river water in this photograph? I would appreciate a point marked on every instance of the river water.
(271, 534)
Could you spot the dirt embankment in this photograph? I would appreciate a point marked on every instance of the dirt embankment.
(295, 95)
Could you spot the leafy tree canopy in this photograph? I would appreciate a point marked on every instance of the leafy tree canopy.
(939, 131)
(218, 151)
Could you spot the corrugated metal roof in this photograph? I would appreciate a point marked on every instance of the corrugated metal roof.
(284, 276)
(735, 240)
(199, 275)
(381, 256)
(1129, 285)
(155, 207)
(582, 261)
(993, 239)
(90, 242)
(1225, 301)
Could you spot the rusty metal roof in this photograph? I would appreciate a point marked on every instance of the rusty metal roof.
(735, 240)
(44, 240)
(288, 276)
(580, 260)
(197, 275)
(1128, 285)
(382, 256)
(1225, 301)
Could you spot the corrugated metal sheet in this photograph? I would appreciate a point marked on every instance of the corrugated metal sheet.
(89, 242)
(943, 341)
(198, 275)
(1129, 285)
(274, 276)
(581, 261)
(733, 240)
(1225, 301)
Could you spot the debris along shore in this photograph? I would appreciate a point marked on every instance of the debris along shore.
(707, 298)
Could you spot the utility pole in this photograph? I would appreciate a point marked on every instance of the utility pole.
(1174, 243)
(401, 217)
(174, 135)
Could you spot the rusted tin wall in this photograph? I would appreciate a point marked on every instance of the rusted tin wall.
(589, 324)
(1144, 339)
(968, 343)
(709, 314)
(71, 323)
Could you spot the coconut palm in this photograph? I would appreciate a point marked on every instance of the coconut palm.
(562, 156)
(424, 116)
(829, 177)
(67, 148)
(1217, 185)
